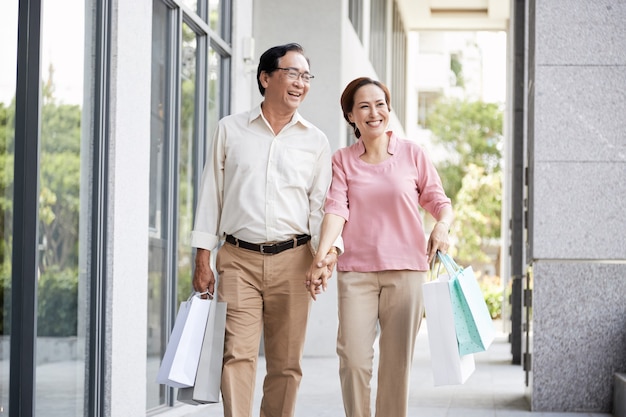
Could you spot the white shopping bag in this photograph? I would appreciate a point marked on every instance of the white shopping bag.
(180, 362)
(206, 390)
(449, 367)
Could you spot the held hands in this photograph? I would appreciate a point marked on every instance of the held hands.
(203, 278)
(319, 273)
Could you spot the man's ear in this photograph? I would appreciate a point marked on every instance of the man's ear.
(264, 77)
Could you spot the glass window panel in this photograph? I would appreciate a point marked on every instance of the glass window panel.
(177, 141)
(215, 16)
(215, 81)
(186, 150)
(354, 13)
(64, 204)
(8, 52)
(192, 4)
(378, 37)
(159, 210)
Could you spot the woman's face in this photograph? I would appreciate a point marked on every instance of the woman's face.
(370, 112)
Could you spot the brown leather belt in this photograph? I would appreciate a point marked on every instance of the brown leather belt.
(269, 248)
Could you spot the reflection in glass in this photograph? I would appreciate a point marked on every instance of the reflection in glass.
(185, 162)
(158, 244)
(192, 4)
(214, 67)
(8, 54)
(180, 112)
(214, 16)
(63, 203)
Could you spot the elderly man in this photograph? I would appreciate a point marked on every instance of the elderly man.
(263, 191)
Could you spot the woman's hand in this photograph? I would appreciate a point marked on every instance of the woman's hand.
(438, 240)
(320, 272)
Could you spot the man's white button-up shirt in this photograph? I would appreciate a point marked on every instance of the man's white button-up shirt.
(262, 187)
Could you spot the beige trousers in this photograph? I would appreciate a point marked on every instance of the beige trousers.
(393, 300)
(265, 294)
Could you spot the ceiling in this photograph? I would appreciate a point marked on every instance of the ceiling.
(422, 15)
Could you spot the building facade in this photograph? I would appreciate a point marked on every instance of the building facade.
(107, 108)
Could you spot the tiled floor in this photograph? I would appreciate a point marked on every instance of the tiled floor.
(496, 389)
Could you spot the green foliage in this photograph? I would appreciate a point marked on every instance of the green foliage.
(59, 206)
(59, 198)
(6, 205)
(7, 134)
(5, 297)
(59, 189)
(59, 209)
(7, 126)
(493, 297)
(60, 128)
(471, 133)
(184, 285)
(57, 302)
(477, 213)
(457, 68)
(57, 306)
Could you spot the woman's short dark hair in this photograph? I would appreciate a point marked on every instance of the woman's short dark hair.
(269, 60)
(347, 98)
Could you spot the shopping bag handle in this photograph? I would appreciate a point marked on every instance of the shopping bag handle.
(451, 266)
(199, 294)
(432, 273)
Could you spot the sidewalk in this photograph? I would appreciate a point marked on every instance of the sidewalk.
(496, 389)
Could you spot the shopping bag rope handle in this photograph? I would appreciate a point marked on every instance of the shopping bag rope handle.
(448, 263)
(199, 294)
(432, 274)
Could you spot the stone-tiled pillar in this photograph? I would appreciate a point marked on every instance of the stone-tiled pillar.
(577, 194)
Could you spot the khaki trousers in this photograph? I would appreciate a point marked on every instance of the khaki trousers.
(265, 294)
(393, 300)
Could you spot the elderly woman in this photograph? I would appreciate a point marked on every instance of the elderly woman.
(378, 186)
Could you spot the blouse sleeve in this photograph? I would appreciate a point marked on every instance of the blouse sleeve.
(432, 196)
(337, 197)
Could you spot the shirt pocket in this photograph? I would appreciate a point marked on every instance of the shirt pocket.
(296, 167)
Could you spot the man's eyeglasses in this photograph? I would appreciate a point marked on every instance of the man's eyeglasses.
(294, 74)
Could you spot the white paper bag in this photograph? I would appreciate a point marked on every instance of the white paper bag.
(449, 367)
(180, 362)
(209, 377)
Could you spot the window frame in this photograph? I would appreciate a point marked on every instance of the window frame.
(206, 39)
(26, 217)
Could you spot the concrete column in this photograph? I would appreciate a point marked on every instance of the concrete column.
(577, 167)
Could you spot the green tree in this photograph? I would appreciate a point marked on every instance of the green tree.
(59, 186)
(457, 69)
(7, 133)
(59, 208)
(477, 213)
(471, 133)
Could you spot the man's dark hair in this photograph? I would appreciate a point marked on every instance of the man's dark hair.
(269, 60)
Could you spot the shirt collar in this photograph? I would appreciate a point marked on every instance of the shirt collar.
(256, 113)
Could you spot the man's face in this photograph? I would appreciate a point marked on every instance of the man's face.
(283, 88)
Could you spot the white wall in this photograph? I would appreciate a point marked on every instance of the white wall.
(337, 56)
(245, 58)
(128, 205)
(317, 26)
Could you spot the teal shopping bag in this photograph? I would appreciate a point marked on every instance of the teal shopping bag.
(473, 324)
